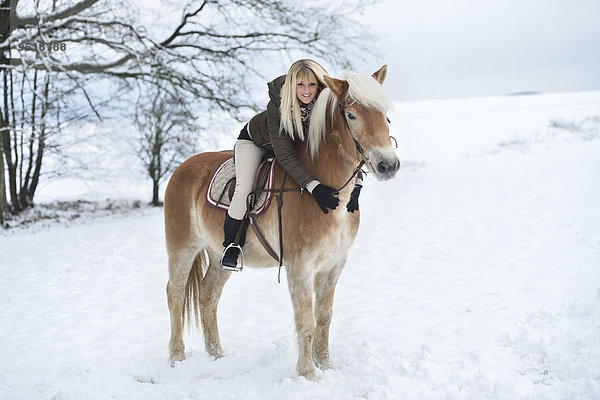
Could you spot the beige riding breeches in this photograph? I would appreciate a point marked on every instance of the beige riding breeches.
(247, 160)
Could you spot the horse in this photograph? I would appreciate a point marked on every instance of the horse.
(348, 125)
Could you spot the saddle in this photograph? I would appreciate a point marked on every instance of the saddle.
(222, 185)
(220, 191)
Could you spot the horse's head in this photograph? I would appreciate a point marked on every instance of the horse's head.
(361, 107)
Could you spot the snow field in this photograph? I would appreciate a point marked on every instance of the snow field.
(474, 275)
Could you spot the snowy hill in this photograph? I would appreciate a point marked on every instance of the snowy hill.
(474, 276)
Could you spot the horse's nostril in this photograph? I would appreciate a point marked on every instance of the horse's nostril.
(388, 168)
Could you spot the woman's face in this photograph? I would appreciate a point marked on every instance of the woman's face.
(306, 89)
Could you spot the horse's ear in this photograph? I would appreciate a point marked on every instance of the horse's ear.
(380, 75)
(338, 87)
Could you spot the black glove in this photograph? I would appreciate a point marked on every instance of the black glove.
(324, 196)
(353, 203)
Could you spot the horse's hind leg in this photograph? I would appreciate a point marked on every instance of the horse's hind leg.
(210, 293)
(325, 283)
(180, 265)
(300, 285)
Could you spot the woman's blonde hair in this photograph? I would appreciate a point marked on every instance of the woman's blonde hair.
(291, 121)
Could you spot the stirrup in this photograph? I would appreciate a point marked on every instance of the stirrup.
(236, 268)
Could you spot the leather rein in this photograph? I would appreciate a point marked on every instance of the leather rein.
(278, 194)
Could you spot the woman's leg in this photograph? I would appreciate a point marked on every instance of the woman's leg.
(247, 161)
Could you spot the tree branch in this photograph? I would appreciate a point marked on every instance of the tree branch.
(36, 19)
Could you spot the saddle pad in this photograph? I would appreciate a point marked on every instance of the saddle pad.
(223, 180)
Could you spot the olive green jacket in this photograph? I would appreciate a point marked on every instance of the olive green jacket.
(264, 131)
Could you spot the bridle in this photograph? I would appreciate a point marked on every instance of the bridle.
(360, 153)
(278, 194)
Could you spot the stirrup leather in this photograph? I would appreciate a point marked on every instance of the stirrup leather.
(236, 268)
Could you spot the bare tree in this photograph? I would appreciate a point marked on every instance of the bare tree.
(3, 200)
(4, 132)
(166, 134)
(37, 106)
(211, 54)
(37, 103)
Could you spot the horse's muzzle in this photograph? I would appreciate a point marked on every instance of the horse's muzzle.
(386, 168)
(385, 164)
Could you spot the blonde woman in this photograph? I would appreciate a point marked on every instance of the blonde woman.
(284, 121)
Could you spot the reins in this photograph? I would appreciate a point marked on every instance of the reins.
(278, 194)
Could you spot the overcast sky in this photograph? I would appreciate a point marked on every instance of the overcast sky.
(462, 48)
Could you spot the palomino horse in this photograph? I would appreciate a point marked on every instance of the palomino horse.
(348, 124)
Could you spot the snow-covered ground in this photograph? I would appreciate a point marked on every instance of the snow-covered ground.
(475, 275)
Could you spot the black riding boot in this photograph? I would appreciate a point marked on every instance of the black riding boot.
(231, 253)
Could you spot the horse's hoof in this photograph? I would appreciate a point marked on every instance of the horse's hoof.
(177, 357)
(176, 351)
(216, 352)
(325, 364)
(309, 374)
(311, 377)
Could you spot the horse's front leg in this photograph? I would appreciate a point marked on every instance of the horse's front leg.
(300, 286)
(325, 282)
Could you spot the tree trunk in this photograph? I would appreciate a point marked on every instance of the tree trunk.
(7, 144)
(41, 143)
(24, 199)
(155, 184)
(3, 201)
(4, 31)
(5, 136)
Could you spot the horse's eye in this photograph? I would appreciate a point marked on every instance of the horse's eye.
(351, 116)
(388, 120)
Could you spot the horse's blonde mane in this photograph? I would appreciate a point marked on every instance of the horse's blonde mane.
(362, 88)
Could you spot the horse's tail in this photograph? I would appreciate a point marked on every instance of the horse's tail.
(191, 303)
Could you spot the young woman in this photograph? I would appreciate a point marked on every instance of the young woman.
(284, 121)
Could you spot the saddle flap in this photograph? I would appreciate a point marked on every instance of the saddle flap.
(222, 185)
(261, 181)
